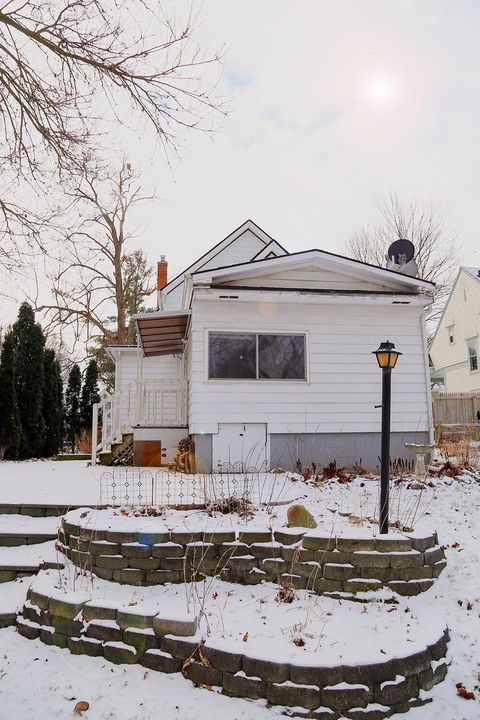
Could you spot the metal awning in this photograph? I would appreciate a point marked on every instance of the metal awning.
(162, 333)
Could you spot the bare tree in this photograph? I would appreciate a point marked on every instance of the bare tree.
(101, 281)
(436, 252)
(68, 68)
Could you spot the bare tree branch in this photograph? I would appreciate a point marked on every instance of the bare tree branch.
(69, 68)
(436, 252)
(100, 281)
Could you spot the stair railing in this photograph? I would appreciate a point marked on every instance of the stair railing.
(148, 403)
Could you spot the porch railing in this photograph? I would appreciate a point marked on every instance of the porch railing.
(145, 403)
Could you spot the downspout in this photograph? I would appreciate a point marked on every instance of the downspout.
(427, 378)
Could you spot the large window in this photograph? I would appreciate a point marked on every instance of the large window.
(256, 356)
(472, 354)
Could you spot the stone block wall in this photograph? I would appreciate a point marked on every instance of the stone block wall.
(323, 564)
(170, 644)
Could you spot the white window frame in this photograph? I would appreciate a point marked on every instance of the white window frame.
(472, 342)
(220, 331)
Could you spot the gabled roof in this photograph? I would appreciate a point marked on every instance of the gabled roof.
(320, 258)
(273, 249)
(217, 249)
(473, 272)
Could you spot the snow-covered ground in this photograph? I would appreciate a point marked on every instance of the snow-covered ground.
(44, 481)
(29, 555)
(332, 632)
(45, 682)
(18, 524)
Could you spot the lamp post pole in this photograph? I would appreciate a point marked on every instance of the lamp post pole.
(387, 358)
(385, 453)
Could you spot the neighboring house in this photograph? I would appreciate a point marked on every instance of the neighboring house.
(455, 346)
(264, 358)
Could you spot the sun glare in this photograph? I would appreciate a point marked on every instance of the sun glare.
(380, 91)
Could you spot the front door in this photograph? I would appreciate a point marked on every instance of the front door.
(240, 447)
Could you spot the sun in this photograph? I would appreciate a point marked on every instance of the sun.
(380, 91)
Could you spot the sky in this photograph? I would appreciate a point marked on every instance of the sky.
(332, 106)
(335, 105)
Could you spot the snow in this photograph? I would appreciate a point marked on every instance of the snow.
(26, 525)
(333, 632)
(45, 682)
(346, 686)
(49, 482)
(26, 555)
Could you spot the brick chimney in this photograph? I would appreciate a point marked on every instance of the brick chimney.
(162, 278)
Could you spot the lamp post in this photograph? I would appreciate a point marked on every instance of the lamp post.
(387, 358)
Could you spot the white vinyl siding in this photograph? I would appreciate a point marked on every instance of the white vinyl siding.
(314, 278)
(239, 250)
(451, 359)
(344, 382)
(472, 345)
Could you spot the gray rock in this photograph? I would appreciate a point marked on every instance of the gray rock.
(103, 632)
(111, 562)
(351, 545)
(397, 692)
(64, 608)
(239, 685)
(140, 640)
(182, 626)
(266, 669)
(92, 611)
(160, 661)
(129, 576)
(167, 550)
(127, 619)
(293, 695)
(126, 655)
(147, 563)
(134, 550)
(202, 675)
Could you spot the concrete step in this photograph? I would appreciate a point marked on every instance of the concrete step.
(9, 539)
(12, 572)
(39, 509)
(7, 619)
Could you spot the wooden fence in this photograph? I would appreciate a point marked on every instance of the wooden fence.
(455, 408)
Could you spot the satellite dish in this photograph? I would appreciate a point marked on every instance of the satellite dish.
(411, 268)
(401, 252)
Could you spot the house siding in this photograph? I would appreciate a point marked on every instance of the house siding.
(451, 359)
(130, 366)
(344, 382)
(240, 250)
(316, 278)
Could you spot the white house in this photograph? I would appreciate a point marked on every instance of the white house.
(455, 348)
(264, 358)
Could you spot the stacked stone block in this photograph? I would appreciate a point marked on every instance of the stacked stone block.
(172, 644)
(407, 565)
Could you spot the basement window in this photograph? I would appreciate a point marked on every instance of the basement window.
(256, 356)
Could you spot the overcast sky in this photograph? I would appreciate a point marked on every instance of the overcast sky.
(336, 104)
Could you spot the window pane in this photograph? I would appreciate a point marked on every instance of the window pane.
(231, 356)
(281, 357)
(472, 352)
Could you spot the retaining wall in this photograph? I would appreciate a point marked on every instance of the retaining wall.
(371, 691)
(407, 565)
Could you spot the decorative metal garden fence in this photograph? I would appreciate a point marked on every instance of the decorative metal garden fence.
(134, 487)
